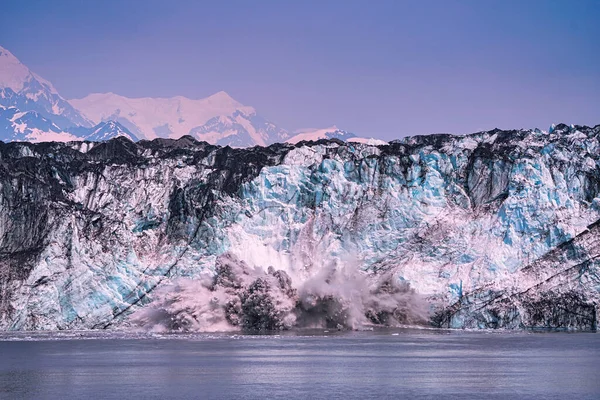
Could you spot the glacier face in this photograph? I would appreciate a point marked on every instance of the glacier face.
(493, 229)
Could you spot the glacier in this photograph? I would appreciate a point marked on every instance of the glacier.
(496, 229)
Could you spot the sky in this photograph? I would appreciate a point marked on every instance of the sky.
(378, 68)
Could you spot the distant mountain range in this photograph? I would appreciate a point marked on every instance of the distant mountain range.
(31, 109)
(217, 119)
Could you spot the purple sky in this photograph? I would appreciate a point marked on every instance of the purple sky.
(378, 68)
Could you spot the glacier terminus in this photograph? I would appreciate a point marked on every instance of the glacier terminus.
(494, 230)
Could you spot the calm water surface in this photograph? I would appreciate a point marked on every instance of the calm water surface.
(405, 364)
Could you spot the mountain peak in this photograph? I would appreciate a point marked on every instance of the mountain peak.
(223, 98)
(15, 75)
(8, 55)
(221, 94)
(107, 130)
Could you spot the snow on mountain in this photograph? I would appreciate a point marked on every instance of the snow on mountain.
(16, 125)
(27, 91)
(15, 75)
(368, 141)
(217, 119)
(30, 126)
(317, 134)
(108, 130)
(239, 130)
(332, 132)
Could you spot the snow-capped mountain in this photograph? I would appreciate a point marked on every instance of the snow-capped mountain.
(215, 119)
(318, 134)
(497, 229)
(332, 132)
(109, 130)
(23, 89)
(30, 126)
(16, 125)
(369, 141)
(239, 130)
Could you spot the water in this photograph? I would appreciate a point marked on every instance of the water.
(409, 364)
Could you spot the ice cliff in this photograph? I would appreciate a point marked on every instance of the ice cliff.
(495, 229)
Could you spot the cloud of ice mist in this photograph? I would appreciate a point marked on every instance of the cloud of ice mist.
(344, 296)
(252, 299)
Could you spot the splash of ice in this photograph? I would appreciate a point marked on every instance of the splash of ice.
(252, 299)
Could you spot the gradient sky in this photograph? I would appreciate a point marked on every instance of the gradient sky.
(378, 68)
